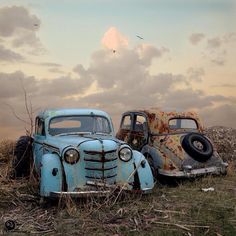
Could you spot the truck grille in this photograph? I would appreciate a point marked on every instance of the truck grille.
(101, 165)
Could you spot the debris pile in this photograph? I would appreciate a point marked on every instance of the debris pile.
(225, 141)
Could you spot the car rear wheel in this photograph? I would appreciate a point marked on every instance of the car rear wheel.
(23, 156)
(197, 146)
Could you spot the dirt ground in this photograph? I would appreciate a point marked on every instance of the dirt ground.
(183, 209)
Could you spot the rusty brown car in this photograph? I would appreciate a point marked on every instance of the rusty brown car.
(174, 143)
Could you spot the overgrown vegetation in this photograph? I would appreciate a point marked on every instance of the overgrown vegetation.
(171, 210)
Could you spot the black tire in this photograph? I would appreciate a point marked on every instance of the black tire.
(200, 154)
(151, 164)
(23, 156)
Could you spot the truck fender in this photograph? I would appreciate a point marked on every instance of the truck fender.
(51, 174)
(144, 172)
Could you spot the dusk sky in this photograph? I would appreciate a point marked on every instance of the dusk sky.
(117, 55)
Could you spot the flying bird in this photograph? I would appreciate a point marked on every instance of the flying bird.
(139, 37)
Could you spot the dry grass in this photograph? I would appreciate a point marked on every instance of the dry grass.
(181, 210)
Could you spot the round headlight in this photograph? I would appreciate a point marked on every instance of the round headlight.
(71, 156)
(125, 154)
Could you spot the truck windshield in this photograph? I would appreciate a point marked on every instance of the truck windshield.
(182, 123)
(79, 124)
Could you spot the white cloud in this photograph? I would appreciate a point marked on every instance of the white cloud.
(113, 39)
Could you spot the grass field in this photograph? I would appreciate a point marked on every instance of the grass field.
(170, 210)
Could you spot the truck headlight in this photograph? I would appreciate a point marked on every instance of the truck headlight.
(71, 156)
(125, 154)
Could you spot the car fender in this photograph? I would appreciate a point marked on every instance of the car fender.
(157, 161)
(144, 171)
(51, 174)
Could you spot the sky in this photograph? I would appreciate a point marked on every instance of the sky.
(115, 56)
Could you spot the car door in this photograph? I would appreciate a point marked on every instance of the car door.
(39, 138)
(134, 130)
(139, 132)
(125, 128)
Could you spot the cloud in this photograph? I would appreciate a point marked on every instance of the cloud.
(196, 38)
(214, 42)
(195, 74)
(225, 86)
(56, 70)
(138, 89)
(230, 37)
(147, 52)
(16, 17)
(218, 57)
(7, 55)
(26, 38)
(11, 85)
(53, 67)
(220, 115)
(62, 86)
(113, 39)
(19, 27)
(218, 61)
(50, 64)
(216, 48)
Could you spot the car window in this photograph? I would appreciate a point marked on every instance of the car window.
(39, 127)
(140, 123)
(182, 123)
(102, 125)
(126, 124)
(73, 124)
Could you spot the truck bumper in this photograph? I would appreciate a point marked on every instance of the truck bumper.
(189, 173)
(81, 194)
(97, 190)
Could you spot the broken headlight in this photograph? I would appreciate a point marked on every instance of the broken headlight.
(71, 156)
(125, 154)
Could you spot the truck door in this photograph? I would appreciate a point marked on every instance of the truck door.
(39, 138)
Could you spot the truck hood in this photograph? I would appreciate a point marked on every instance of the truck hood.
(61, 142)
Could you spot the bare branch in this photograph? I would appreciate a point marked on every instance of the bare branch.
(14, 113)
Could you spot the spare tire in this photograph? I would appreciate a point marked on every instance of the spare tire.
(23, 156)
(197, 146)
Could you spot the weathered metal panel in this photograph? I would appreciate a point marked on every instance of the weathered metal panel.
(48, 181)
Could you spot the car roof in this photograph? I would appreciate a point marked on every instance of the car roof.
(158, 119)
(67, 112)
(161, 114)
